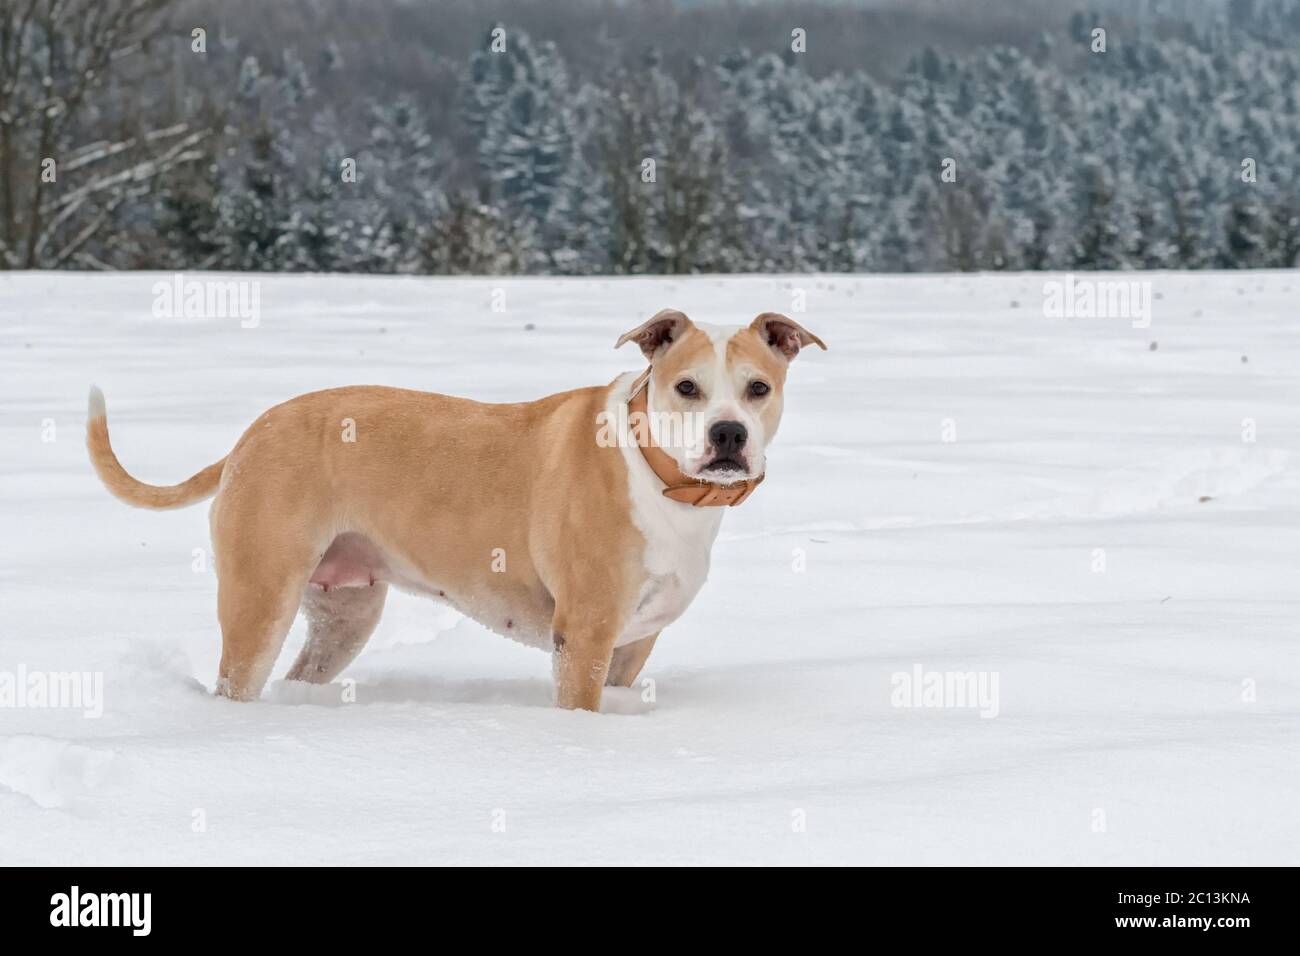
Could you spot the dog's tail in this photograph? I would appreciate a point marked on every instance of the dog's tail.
(128, 489)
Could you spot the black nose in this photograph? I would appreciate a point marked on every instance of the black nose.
(728, 437)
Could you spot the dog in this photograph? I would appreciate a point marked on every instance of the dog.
(580, 523)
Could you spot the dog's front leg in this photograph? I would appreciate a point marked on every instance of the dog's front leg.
(583, 648)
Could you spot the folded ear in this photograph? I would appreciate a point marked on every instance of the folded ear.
(666, 327)
(784, 334)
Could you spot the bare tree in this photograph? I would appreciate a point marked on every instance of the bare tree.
(70, 154)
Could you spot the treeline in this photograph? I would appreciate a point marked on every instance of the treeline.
(1158, 143)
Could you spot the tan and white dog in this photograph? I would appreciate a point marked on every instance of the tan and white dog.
(526, 517)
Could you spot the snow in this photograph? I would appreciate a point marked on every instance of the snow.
(1147, 713)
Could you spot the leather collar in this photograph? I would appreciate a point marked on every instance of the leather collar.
(680, 486)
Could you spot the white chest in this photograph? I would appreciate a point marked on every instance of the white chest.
(663, 598)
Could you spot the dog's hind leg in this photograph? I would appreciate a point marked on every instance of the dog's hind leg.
(339, 622)
(256, 612)
(628, 661)
(262, 569)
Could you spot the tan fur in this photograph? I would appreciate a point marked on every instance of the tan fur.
(137, 493)
(512, 513)
(628, 660)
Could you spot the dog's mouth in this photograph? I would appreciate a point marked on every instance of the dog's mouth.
(726, 466)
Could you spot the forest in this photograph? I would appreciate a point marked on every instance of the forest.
(580, 139)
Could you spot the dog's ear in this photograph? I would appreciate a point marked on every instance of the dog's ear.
(665, 328)
(784, 334)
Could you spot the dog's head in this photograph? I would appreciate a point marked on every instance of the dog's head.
(716, 393)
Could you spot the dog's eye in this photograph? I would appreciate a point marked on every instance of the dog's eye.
(686, 388)
(759, 389)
